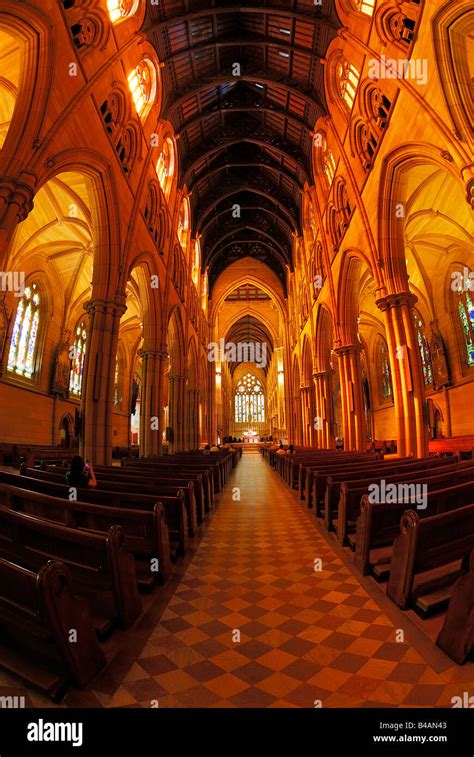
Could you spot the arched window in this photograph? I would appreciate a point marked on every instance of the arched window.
(196, 262)
(383, 371)
(23, 343)
(249, 402)
(118, 379)
(165, 167)
(347, 81)
(424, 350)
(120, 9)
(466, 316)
(78, 355)
(142, 84)
(366, 6)
(183, 224)
(328, 164)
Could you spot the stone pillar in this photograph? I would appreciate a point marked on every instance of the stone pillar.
(350, 376)
(151, 412)
(176, 411)
(16, 202)
(192, 422)
(407, 374)
(324, 424)
(308, 412)
(97, 401)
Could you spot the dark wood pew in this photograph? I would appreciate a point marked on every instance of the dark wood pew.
(197, 503)
(456, 637)
(379, 524)
(463, 445)
(446, 472)
(308, 466)
(169, 465)
(426, 555)
(376, 473)
(322, 474)
(37, 611)
(153, 532)
(130, 485)
(101, 568)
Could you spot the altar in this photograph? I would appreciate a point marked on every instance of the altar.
(251, 437)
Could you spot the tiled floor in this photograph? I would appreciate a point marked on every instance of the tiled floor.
(253, 624)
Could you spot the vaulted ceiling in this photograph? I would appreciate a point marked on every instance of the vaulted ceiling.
(243, 88)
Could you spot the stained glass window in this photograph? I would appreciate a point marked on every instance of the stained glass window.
(366, 6)
(165, 166)
(383, 371)
(142, 85)
(328, 162)
(119, 9)
(77, 356)
(466, 315)
(348, 79)
(117, 387)
(21, 358)
(249, 403)
(183, 223)
(424, 351)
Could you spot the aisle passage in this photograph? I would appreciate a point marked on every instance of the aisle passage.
(305, 636)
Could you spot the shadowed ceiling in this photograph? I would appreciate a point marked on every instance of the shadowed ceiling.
(243, 140)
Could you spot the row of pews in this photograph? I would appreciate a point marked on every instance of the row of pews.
(409, 523)
(77, 563)
(15, 455)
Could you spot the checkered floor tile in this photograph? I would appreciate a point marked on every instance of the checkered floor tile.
(253, 623)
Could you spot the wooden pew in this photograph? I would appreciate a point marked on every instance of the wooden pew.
(174, 506)
(168, 465)
(147, 528)
(197, 503)
(101, 568)
(426, 555)
(376, 473)
(446, 472)
(309, 467)
(37, 611)
(462, 445)
(456, 637)
(379, 524)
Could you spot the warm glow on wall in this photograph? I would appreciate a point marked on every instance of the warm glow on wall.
(142, 85)
(119, 9)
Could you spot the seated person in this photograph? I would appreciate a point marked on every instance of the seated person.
(281, 450)
(206, 450)
(214, 448)
(81, 473)
(291, 450)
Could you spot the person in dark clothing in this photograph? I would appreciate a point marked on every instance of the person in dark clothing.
(81, 473)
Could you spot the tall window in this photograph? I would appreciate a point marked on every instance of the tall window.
(196, 262)
(249, 403)
(23, 344)
(366, 6)
(424, 350)
(328, 163)
(466, 316)
(383, 371)
(142, 85)
(78, 355)
(347, 79)
(183, 223)
(165, 167)
(119, 9)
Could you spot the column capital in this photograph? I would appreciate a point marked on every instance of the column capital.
(395, 300)
(321, 374)
(14, 192)
(113, 307)
(348, 349)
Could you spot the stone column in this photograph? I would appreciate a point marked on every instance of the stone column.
(151, 412)
(407, 374)
(16, 202)
(350, 374)
(97, 398)
(324, 425)
(176, 410)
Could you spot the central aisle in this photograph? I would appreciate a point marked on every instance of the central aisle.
(305, 636)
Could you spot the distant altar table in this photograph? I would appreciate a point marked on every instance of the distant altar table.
(251, 437)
